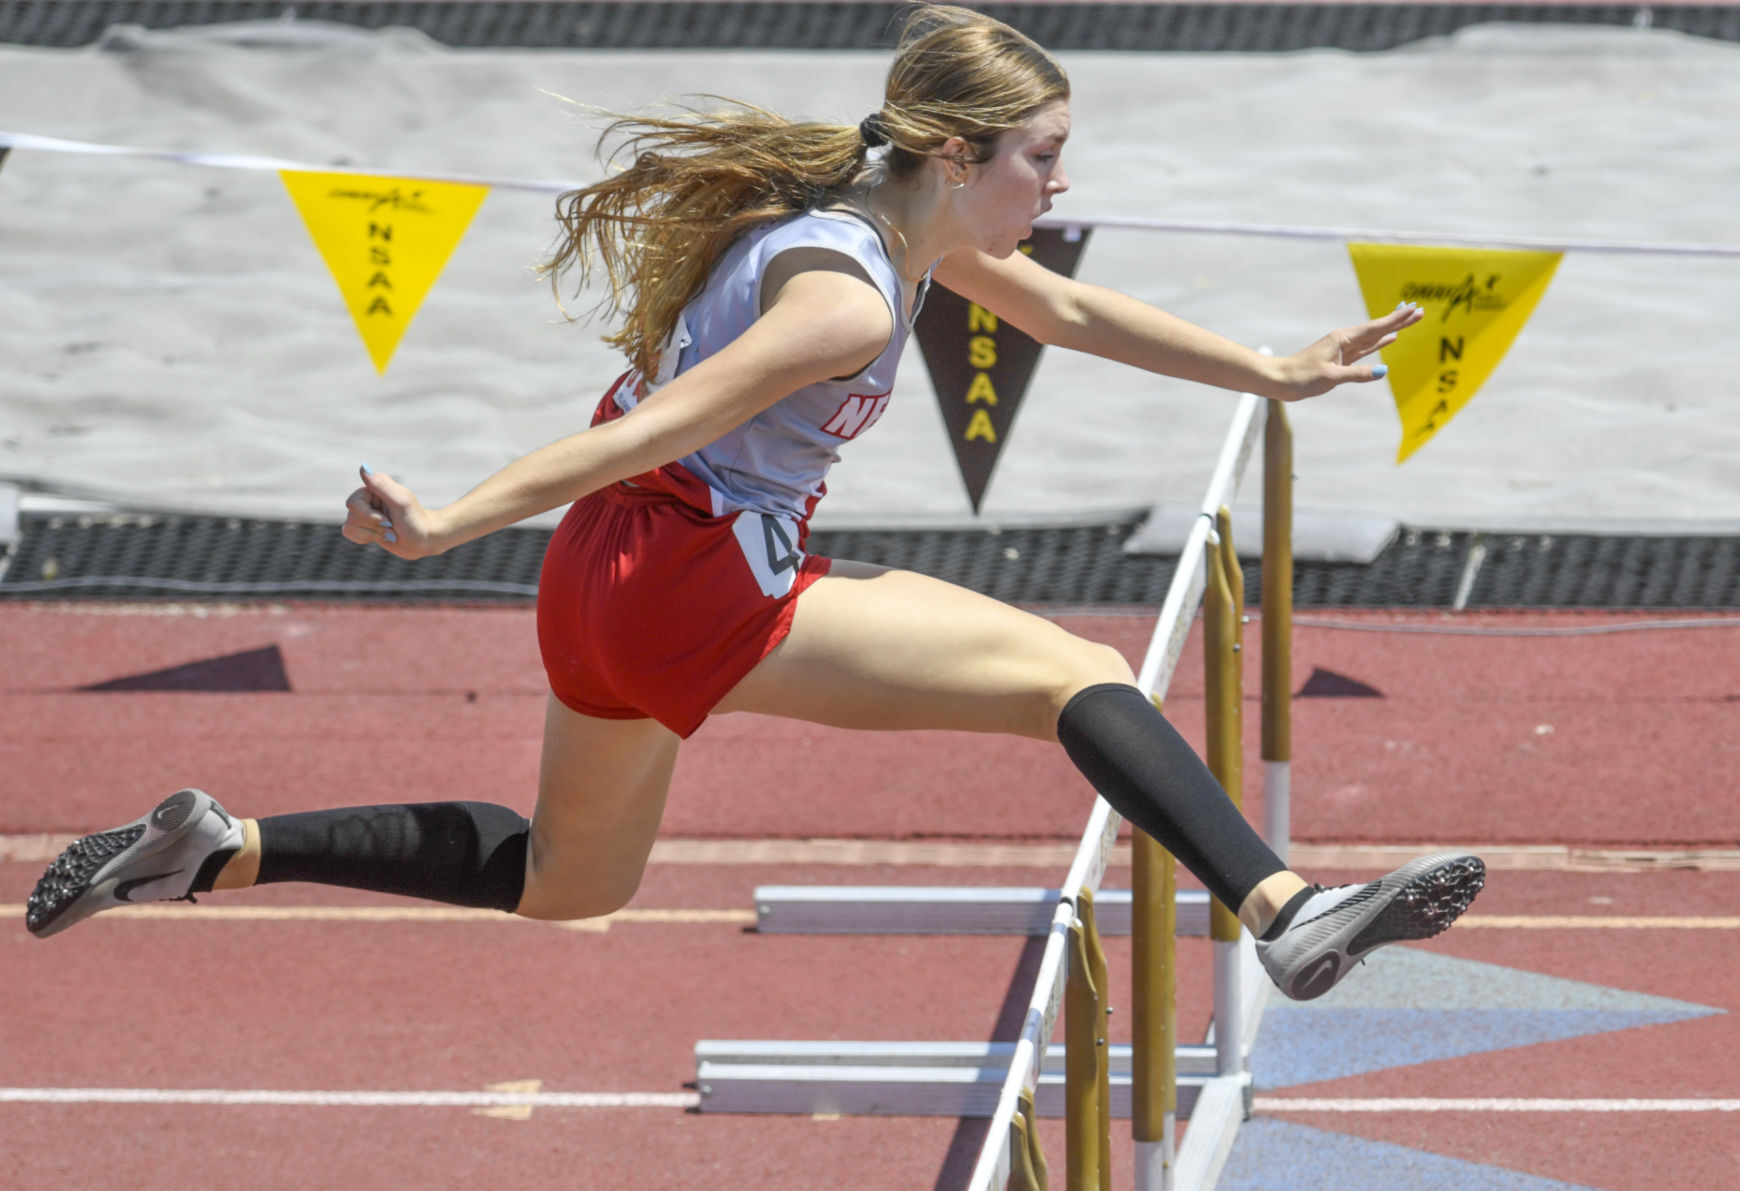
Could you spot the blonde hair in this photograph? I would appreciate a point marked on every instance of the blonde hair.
(688, 184)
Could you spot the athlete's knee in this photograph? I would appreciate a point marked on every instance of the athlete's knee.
(560, 893)
(1085, 664)
(1106, 665)
(549, 903)
(1094, 664)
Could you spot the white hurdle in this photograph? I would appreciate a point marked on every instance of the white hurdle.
(1015, 1082)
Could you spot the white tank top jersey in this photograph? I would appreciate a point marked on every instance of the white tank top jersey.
(776, 463)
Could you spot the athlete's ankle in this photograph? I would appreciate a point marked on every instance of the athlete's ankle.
(243, 866)
(1266, 902)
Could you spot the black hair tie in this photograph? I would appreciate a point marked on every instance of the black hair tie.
(870, 129)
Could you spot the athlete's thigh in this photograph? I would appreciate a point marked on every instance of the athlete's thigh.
(601, 793)
(876, 648)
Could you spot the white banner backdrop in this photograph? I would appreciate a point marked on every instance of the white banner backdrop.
(173, 339)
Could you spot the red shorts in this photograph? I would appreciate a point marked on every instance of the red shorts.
(649, 607)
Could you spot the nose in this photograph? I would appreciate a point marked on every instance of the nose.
(1059, 180)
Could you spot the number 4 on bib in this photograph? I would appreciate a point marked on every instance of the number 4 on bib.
(768, 545)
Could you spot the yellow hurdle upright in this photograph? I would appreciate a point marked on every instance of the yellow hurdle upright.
(1102, 1033)
(1027, 1170)
(1223, 632)
(1277, 629)
(1083, 1153)
(1154, 1031)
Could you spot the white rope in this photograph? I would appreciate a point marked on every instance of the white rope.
(215, 587)
(1594, 630)
(230, 161)
(1286, 231)
(25, 140)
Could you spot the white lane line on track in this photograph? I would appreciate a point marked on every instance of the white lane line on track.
(1303, 1104)
(196, 913)
(1596, 922)
(350, 1099)
(170, 911)
(41, 849)
(1273, 1104)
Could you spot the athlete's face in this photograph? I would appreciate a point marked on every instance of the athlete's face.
(1017, 185)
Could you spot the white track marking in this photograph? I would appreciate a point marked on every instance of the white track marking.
(171, 912)
(1303, 1104)
(1594, 922)
(684, 1100)
(33, 849)
(350, 1099)
(512, 1112)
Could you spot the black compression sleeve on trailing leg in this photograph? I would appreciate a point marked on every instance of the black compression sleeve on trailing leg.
(1140, 764)
(461, 853)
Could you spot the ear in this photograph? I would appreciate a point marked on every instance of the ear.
(955, 155)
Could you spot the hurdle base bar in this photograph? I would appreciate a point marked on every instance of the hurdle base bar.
(944, 910)
(1220, 1107)
(902, 1078)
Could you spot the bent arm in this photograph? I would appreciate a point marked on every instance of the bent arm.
(820, 324)
(1064, 312)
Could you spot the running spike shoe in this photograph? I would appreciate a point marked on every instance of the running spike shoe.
(155, 858)
(1336, 928)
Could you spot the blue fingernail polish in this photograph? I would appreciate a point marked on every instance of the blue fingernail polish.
(385, 524)
(367, 470)
(1380, 371)
(391, 536)
(1399, 305)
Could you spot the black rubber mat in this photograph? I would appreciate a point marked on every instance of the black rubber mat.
(207, 558)
(702, 24)
(1602, 572)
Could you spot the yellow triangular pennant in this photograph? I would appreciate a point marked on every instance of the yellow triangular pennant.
(1476, 301)
(386, 240)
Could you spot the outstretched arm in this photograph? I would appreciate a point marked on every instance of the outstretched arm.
(822, 323)
(1061, 311)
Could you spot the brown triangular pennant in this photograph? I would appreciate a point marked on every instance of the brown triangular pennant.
(980, 365)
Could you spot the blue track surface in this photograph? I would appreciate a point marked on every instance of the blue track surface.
(1408, 1007)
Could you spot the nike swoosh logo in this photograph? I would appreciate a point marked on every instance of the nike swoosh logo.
(1318, 979)
(127, 887)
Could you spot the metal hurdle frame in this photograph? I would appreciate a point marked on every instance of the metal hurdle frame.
(1090, 1081)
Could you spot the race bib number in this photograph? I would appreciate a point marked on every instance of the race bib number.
(769, 545)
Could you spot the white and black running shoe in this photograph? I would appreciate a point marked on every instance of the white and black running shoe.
(1336, 928)
(156, 858)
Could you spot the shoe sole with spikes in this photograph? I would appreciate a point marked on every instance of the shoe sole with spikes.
(1417, 901)
(153, 858)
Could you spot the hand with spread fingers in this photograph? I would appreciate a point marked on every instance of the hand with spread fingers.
(1336, 358)
(385, 513)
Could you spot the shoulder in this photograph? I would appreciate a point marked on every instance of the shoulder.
(820, 324)
(832, 304)
(838, 232)
(821, 242)
(835, 229)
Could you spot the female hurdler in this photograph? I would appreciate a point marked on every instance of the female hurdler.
(768, 272)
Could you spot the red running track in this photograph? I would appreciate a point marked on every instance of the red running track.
(1621, 740)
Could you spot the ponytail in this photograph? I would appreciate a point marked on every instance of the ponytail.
(687, 185)
(691, 186)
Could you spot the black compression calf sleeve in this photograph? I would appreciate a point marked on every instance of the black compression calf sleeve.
(462, 853)
(1145, 769)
